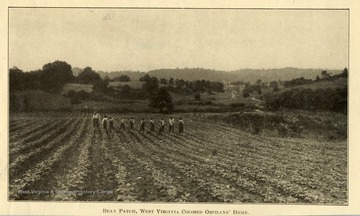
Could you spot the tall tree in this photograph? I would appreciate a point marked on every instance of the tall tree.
(55, 75)
(345, 72)
(151, 86)
(145, 78)
(258, 82)
(162, 101)
(16, 78)
(171, 81)
(88, 76)
(163, 81)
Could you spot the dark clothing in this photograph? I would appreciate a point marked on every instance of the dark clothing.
(181, 127)
(142, 127)
(95, 121)
(122, 126)
(111, 124)
(105, 123)
(152, 126)
(171, 125)
(171, 128)
(162, 127)
(131, 125)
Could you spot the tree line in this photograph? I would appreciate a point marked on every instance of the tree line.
(186, 86)
(50, 78)
(329, 99)
(53, 76)
(258, 86)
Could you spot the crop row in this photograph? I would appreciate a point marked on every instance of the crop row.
(208, 162)
(34, 174)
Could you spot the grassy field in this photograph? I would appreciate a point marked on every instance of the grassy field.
(324, 84)
(224, 98)
(120, 106)
(132, 84)
(37, 100)
(77, 87)
(212, 161)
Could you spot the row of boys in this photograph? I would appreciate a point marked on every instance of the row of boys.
(110, 121)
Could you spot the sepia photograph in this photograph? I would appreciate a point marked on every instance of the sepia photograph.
(178, 109)
(178, 105)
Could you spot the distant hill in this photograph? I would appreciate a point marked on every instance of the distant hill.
(134, 75)
(247, 75)
(190, 74)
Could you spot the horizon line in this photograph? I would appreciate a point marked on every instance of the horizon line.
(182, 68)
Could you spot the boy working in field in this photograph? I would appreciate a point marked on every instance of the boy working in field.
(181, 125)
(95, 119)
(132, 122)
(111, 123)
(122, 124)
(162, 125)
(105, 123)
(142, 125)
(152, 125)
(171, 125)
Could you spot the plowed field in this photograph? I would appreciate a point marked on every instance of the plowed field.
(61, 156)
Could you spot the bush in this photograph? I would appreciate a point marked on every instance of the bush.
(162, 100)
(197, 97)
(283, 130)
(256, 130)
(74, 101)
(246, 94)
(77, 97)
(272, 102)
(122, 78)
(297, 82)
(237, 105)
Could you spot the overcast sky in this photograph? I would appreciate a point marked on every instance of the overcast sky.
(144, 39)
